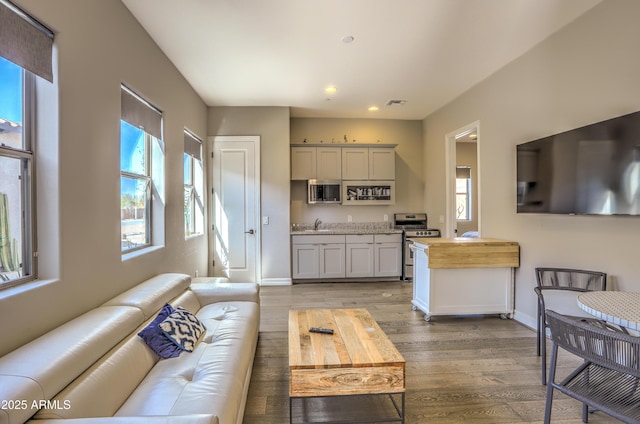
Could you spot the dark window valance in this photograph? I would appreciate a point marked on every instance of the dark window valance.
(140, 113)
(463, 172)
(192, 145)
(25, 41)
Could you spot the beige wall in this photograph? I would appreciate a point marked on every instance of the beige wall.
(409, 182)
(272, 125)
(98, 45)
(583, 74)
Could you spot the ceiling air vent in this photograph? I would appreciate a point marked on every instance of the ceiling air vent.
(396, 102)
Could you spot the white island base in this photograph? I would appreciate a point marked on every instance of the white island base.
(464, 277)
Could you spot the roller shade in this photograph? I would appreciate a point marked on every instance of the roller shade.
(140, 113)
(463, 172)
(25, 41)
(192, 145)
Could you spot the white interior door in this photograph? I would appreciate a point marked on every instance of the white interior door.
(235, 207)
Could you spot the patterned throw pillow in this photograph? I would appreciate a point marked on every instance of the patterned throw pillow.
(183, 328)
(155, 338)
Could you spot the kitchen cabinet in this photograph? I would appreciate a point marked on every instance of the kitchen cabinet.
(318, 256)
(360, 256)
(464, 276)
(368, 163)
(368, 192)
(387, 255)
(374, 255)
(355, 163)
(303, 163)
(313, 162)
(328, 163)
(382, 163)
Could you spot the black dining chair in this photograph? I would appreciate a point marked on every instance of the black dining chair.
(609, 378)
(556, 284)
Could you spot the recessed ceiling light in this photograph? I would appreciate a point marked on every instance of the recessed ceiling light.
(373, 108)
(347, 39)
(330, 89)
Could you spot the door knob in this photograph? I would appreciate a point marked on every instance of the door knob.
(250, 231)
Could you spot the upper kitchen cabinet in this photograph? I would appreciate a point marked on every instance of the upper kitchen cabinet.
(368, 163)
(303, 163)
(329, 163)
(321, 163)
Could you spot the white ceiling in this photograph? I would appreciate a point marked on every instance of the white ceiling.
(285, 52)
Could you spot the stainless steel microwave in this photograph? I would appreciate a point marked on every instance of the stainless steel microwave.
(323, 191)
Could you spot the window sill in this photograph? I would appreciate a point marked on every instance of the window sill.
(141, 252)
(194, 236)
(25, 287)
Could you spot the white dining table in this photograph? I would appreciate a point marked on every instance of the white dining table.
(617, 307)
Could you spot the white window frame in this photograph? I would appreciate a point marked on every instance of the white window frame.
(27, 270)
(153, 179)
(193, 198)
(466, 194)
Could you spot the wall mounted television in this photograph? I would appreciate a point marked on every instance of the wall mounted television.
(592, 170)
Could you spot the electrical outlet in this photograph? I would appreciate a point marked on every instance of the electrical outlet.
(349, 218)
(385, 218)
(442, 219)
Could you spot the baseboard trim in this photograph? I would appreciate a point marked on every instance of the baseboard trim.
(526, 320)
(276, 282)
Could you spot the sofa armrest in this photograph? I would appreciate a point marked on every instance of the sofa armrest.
(214, 292)
(154, 419)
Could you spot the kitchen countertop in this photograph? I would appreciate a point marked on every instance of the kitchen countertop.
(346, 231)
(461, 252)
(345, 228)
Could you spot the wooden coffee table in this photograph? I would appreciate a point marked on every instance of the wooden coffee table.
(357, 359)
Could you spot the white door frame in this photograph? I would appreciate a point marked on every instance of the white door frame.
(450, 176)
(257, 199)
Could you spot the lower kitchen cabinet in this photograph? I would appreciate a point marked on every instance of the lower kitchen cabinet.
(387, 255)
(374, 255)
(359, 256)
(337, 256)
(318, 256)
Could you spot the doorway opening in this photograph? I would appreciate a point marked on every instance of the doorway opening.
(463, 197)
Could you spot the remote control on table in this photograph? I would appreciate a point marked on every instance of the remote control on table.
(321, 330)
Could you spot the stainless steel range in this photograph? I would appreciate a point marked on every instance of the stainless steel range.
(413, 225)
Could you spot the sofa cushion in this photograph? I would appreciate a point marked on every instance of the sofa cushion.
(43, 367)
(155, 338)
(153, 293)
(183, 328)
(213, 377)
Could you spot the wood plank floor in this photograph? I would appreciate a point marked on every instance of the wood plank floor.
(472, 369)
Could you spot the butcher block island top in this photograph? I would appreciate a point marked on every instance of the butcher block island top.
(464, 252)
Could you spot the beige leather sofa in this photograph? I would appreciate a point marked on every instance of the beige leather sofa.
(95, 368)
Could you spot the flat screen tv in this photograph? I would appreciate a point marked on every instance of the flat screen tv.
(592, 170)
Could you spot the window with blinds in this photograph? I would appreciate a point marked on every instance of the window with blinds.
(25, 54)
(463, 193)
(141, 173)
(193, 186)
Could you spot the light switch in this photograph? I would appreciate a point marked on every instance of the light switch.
(386, 218)
(265, 220)
(349, 218)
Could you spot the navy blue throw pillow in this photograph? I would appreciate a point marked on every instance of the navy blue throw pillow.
(156, 339)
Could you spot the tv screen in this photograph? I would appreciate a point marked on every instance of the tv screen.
(592, 170)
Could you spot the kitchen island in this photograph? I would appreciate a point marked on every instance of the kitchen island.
(458, 276)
